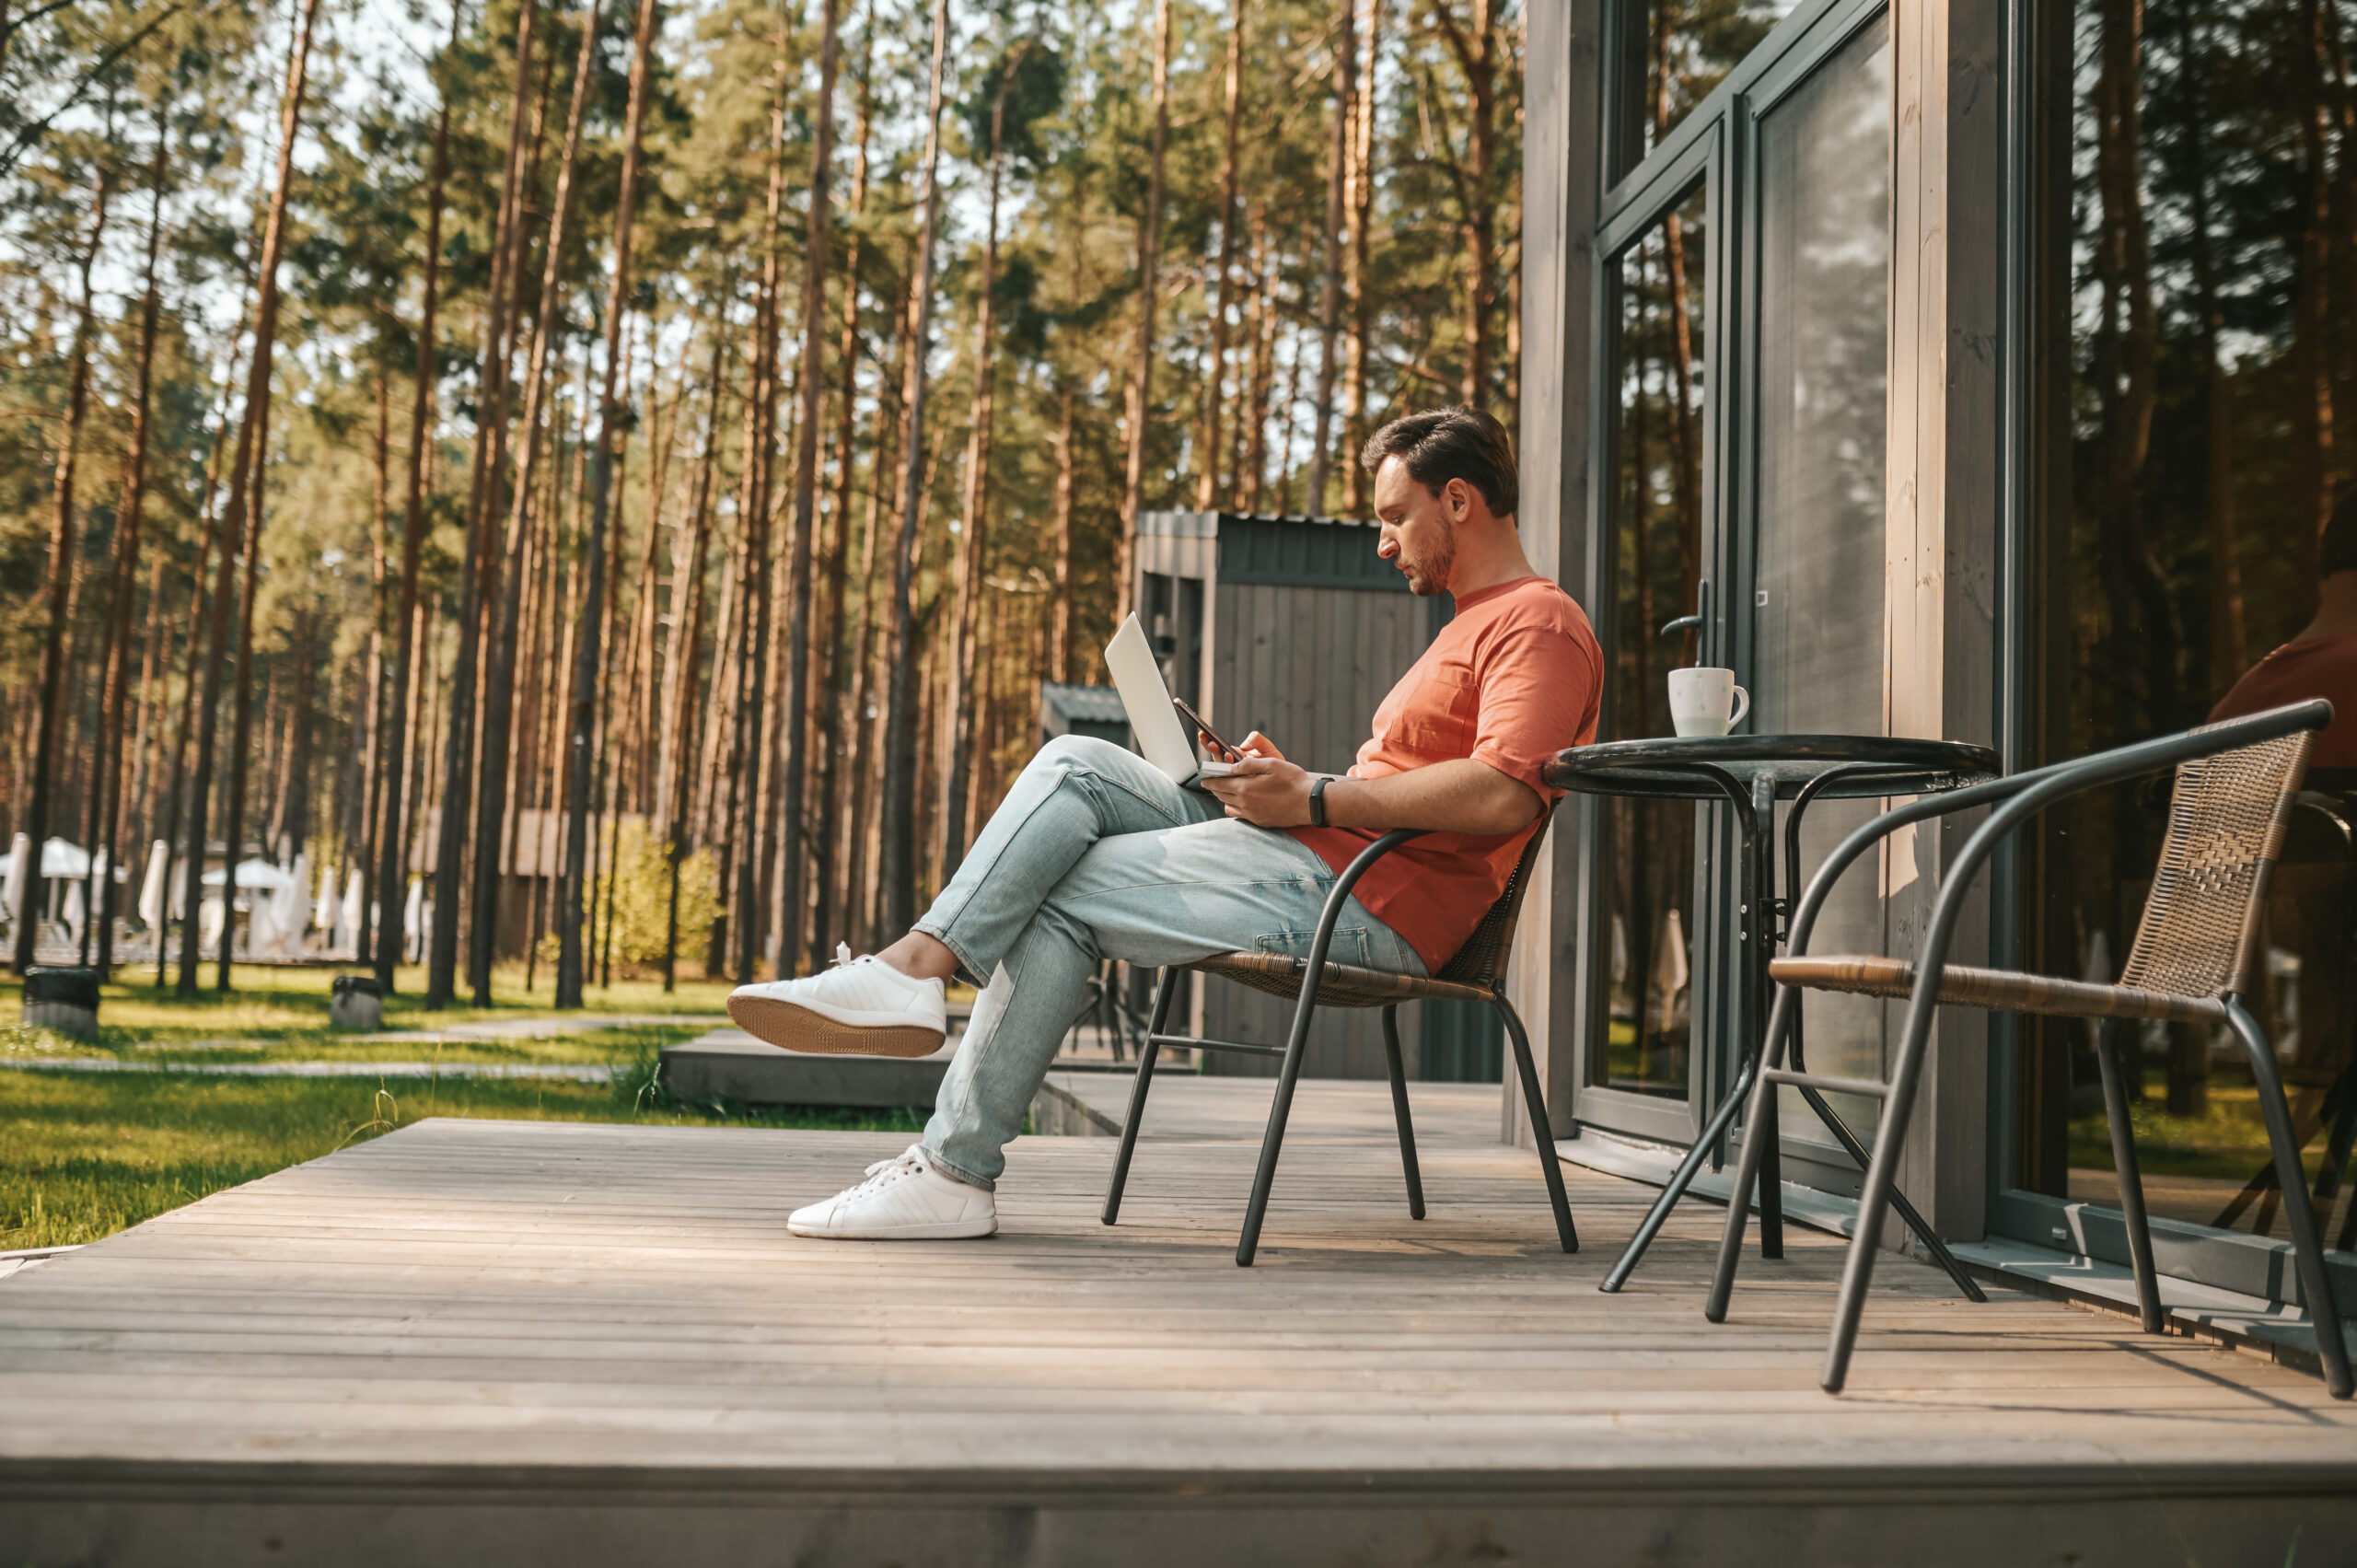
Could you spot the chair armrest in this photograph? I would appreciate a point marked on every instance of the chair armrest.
(1340, 893)
(2031, 792)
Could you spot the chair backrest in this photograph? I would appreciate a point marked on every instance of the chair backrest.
(1482, 959)
(2228, 816)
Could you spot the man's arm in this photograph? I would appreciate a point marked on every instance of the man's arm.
(1460, 796)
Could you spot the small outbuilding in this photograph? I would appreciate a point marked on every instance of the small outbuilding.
(1296, 627)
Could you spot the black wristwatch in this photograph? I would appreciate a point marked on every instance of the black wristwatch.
(1317, 799)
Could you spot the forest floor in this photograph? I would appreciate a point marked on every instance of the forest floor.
(84, 1154)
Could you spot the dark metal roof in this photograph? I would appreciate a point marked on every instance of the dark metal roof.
(1083, 704)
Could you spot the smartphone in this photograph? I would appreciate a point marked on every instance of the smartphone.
(1210, 734)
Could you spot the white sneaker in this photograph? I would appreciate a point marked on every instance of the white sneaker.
(860, 1006)
(906, 1198)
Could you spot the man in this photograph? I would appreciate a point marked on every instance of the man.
(2322, 660)
(1094, 854)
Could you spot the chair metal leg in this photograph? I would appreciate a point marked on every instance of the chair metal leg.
(1541, 1131)
(1680, 1179)
(2132, 1180)
(1165, 988)
(1915, 1222)
(1399, 1113)
(1746, 1179)
(2300, 1214)
(1881, 1170)
(1297, 1047)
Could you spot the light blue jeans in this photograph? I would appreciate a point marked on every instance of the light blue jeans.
(1096, 854)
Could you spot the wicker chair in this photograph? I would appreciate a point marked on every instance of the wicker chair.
(1478, 973)
(2236, 784)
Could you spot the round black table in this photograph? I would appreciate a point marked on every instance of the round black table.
(1752, 772)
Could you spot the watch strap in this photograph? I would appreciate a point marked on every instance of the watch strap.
(1317, 799)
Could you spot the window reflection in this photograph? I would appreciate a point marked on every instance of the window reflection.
(1825, 163)
(2198, 304)
(1657, 533)
(1673, 53)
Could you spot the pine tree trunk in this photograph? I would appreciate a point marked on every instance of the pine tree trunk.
(368, 712)
(806, 496)
(59, 590)
(1362, 210)
(391, 870)
(499, 689)
(972, 560)
(246, 460)
(1264, 342)
(862, 853)
(1207, 485)
(209, 535)
(106, 797)
(899, 827)
(1060, 641)
(585, 695)
(686, 647)
(828, 854)
(1141, 389)
(1330, 294)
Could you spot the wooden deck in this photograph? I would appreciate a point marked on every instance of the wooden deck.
(550, 1344)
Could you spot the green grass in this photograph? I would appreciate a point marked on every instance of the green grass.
(84, 1154)
(2228, 1141)
(284, 1011)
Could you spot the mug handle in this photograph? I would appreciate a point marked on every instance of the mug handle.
(1742, 706)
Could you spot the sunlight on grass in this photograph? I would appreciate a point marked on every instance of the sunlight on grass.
(84, 1154)
(290, 1004)
(2228, 1141)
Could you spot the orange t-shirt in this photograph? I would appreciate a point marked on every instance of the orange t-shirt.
(1515, 679)
(2319, 667)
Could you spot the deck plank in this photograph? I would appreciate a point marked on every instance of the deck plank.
(461, 1298)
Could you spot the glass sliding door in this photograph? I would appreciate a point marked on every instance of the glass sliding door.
(1817, 667)
(1743, 322)
(1657, 311)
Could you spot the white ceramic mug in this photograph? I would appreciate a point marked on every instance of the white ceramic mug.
(1706, 700)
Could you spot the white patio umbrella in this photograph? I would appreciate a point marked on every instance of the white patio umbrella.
(347, 931)
(410, 910)
(261, 930)
(60, 858)
(324, 907)
(12, 887)
(151, 886)
(255, 873)
(287, 907)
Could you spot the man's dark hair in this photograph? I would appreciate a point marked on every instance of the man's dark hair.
(1442, 444)
(2337, 552)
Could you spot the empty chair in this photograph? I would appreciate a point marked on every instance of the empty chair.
(2236, 787)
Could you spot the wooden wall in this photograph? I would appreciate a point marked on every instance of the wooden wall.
(1306, 665)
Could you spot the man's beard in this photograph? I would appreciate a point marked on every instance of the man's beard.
(1429, 577)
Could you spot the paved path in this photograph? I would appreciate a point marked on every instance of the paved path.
(578, 1072)
(548, 1026)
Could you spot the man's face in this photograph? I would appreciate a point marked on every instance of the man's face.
(1419, 529)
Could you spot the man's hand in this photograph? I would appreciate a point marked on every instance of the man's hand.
(1255, 745)
(1266, 791)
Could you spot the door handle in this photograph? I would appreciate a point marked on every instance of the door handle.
(1692, 622)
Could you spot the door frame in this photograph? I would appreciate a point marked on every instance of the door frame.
(1716, 145)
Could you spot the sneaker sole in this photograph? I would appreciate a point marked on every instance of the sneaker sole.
(790, 1026)
(962, 1230)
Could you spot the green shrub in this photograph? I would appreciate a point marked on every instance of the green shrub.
(640, 879)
